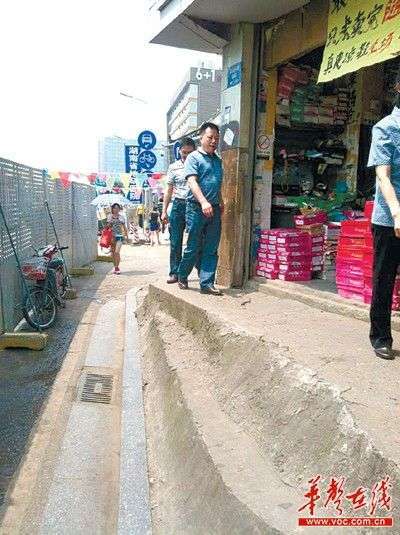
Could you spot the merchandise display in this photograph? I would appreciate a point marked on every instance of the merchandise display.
(320, 180)
(286, 254)
(302, 101)
(354, 266)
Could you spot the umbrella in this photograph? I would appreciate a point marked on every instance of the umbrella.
(108, 199)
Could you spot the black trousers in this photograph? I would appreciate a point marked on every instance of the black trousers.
(386, 263)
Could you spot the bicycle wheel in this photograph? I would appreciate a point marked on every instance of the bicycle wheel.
(39, 308)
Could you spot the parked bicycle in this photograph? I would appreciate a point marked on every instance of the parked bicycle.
(47, 272)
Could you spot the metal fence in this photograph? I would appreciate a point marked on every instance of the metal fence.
(23, 192)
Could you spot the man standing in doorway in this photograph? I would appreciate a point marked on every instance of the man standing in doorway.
(177, 184)
(203, 171)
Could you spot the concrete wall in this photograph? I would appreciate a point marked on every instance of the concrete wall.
(297, 33)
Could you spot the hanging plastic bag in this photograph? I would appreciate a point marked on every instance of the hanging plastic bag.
(106, 237)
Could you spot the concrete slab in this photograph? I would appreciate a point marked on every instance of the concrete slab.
(83, 486)
(71, 293)
(23, 340)
(316, 298)
(82, 271)
(303, 383)
(107, 337)
(134, 503)
(78, 507)
(86, 446)
(104, 258)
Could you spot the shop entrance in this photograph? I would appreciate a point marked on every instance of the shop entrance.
(321, 146)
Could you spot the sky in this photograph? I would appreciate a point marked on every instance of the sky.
(63, 65)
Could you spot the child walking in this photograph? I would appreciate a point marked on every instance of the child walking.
(155, 226)
(116, 221)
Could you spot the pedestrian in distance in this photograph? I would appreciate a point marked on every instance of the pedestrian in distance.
(155, 226)
(204, 174)
(160, 208)
(385, 156)
(177, 187)
(116, 221)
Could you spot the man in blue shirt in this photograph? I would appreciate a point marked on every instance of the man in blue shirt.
(385, 156)
(203, 171)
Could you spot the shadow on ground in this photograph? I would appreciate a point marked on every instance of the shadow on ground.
(26, 378)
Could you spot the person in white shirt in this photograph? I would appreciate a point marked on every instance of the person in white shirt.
(177, 186)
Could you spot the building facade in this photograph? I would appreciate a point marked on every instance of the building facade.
(274, 103)
(197, 100)
(111, 154)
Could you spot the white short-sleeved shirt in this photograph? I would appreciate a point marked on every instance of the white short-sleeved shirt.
(177, 179)
(116, 224)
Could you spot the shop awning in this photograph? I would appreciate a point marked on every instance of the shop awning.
(360, 34)
(203, 25)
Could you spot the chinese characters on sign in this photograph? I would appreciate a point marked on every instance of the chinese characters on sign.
(334, 495)
(360, 34)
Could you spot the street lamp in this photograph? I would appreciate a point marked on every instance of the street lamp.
(127, 95)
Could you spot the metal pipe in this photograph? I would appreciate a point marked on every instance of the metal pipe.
(24, 283)
(46, 203)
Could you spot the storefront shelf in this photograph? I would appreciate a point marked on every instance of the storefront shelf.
(338, 129)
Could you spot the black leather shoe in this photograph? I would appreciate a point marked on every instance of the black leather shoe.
(183, 285)
(384, 352)
(172, 280)
(210, 290)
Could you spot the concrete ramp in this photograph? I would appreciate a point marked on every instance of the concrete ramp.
(237, 422)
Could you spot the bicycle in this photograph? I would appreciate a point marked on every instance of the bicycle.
(41, 301)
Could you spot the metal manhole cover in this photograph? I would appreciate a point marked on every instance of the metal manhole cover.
(97, 388)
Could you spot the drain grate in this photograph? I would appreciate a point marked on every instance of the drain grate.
(97, 388)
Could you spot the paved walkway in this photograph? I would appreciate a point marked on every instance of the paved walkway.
(85, 471)
(69, 482)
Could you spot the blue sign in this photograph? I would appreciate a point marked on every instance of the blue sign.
(131, 157)
(177, 147)
(234, 76)
(147, 140)
(147, 160)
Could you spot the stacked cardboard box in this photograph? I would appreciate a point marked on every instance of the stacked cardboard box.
(285, 254)
(368, 259)
(354, 266)
(342, 109)
(314, 225)
(300, 100)
(350, 258)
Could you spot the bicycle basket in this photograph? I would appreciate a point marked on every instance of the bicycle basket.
(35, 268)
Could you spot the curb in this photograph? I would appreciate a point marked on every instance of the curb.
(34, 341)
(82, 271)
(302, 422)
(104, 258)
(24, 489)
(134, 501)
(316, 299)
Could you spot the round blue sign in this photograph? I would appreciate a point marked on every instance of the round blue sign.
(177, 147)
(147, 160)
(147, 140)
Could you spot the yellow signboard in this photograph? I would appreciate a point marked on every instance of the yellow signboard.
(360, 33)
